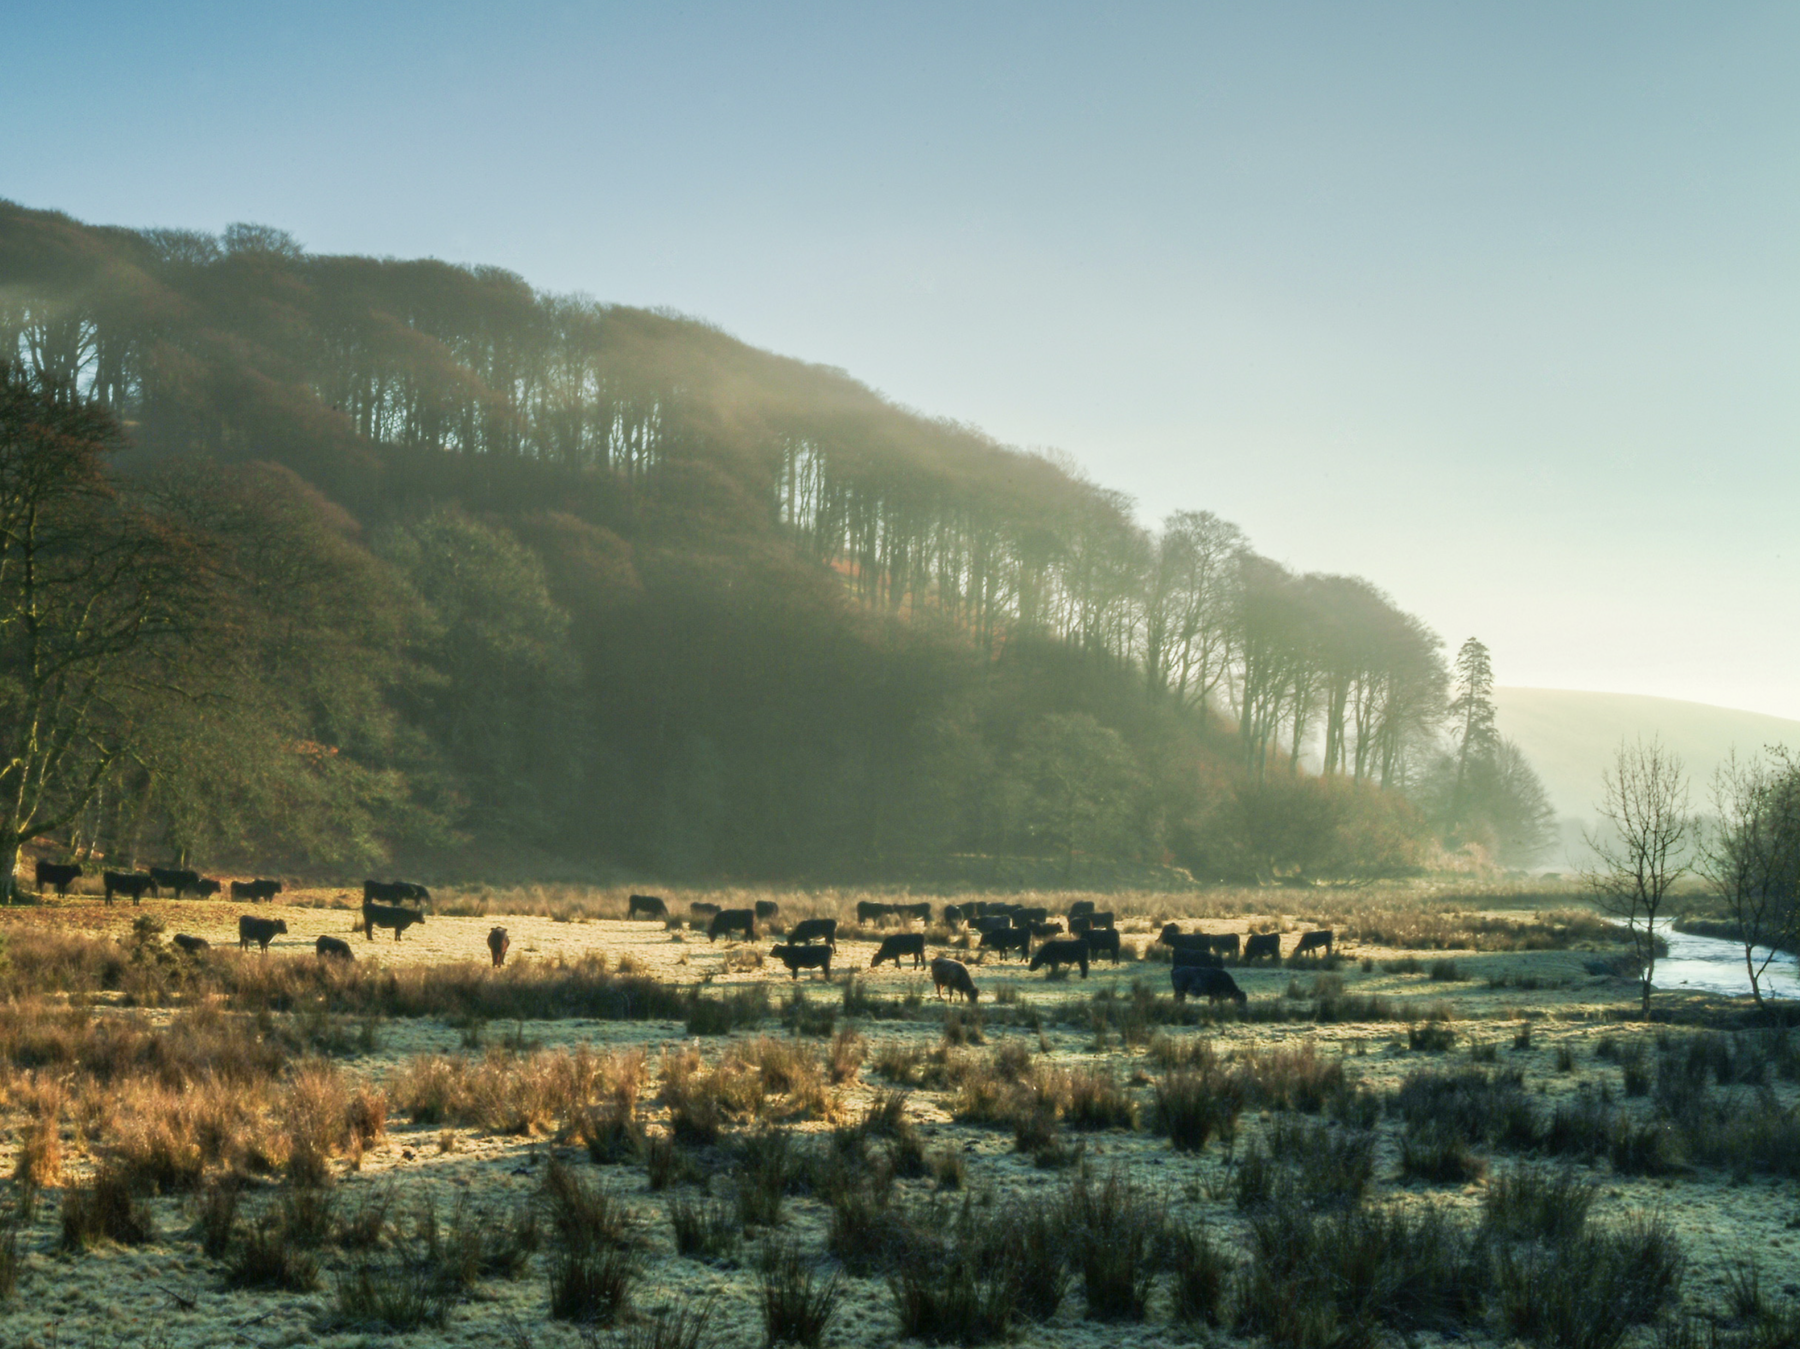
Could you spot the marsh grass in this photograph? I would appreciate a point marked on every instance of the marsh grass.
(797, 1306)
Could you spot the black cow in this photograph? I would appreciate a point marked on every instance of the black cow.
(393, 892)
(132, 883)
(1312, 941)
(953, 915)
(255, 891)
(868, 911)
(1205, 981)
(58, 874)
(1100, 918)
(921, 911)
(1004, 939)
(798, 958)
(815, 929)
(389, 915)
(901, 944)
(1195, 955)
(176, 879)
(766, 909)
(1042, 930)
(498, 945)
(1056, 954)
(993, 922)
(1027, 917)
(1081, 908)
(1259, 944)
(645, 906)
(1103, 942)
(262, 931)
(733, 920)
(1226, 944)
(194, 946)
(335, 947)
(701, 909)
(953, 975)
(206, 888)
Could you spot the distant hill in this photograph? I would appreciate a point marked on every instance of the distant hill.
(1570, 736)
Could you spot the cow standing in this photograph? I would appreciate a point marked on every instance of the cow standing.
(498, 946)
(388, 915)
(58, 875)
(953, 975)
(262, 931)
(901, 944)
(798, 958)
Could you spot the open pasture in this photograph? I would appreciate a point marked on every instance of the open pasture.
(632, 1134)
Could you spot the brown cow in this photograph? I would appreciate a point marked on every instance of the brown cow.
(498, 946)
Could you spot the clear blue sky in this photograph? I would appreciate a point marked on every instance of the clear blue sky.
(1494, 304)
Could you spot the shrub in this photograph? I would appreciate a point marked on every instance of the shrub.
(1114, 1232)
(1527, 1203)
(1446, 972)
(796, 1306)
(104, 1209)
(1430, 1037)
(1438, 1155)
(1202, 1275)
(591, 1284)
(704, 1228)
(392, 1295)
(261, 1256)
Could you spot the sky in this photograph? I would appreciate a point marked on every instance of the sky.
(1493, 304)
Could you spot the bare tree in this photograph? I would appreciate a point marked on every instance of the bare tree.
(1644, 798)
(1751, 856)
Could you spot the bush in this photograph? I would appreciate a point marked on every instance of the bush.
(1114, 1233)
(796, 1307)
(1202, 1275)
(1532, 1204)
(393, 1295)
(704, 1228)
(104, 1209)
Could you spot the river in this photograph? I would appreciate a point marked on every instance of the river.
(1711, 965)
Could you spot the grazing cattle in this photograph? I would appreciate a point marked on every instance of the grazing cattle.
(1042, 930)
(993, 922)
(1260, 944)
(921, 911)
(815, 929)
(194, 946)
(1312, 941)
(1081, 923)
(1196, 955)
(766, 909)
(1226, 944)
(1056, 954)
(57, 874)
(977, 908)
(389, 915)
(1004, 939)
(953, 975)
(953, 915)
(262, 931)
(1176, 940)
(498, 945)
(335, 947)
(206, 887)
(868, 911)
(394, 892)
(798, 958)
(1028, 917)
(255, 891)
(1103, 942)
(172, 878)
(733, 920)
(1100, 918)
(1081, 908)
(901, 944)
(1205, 981)
(700, 909)
(132, 883)
(646, 906)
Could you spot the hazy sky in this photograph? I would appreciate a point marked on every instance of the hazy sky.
(1494, 304)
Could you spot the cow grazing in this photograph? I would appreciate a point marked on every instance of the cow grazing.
(1080, 923)
(1028, 917)
(1313, 941)
(206, 887)
(255, 891)
(1260, 944)
(921, 911)
(1176, 940)
(993, 922)
(498, 945)
(798, 958)
(132, 883)
(1004, 939)
(732, 920)
(1194, 955)
(815, 929)
(1042, 930)
(1081, 908)
(389, 915)
(262, 931)
(901, 944)
(1226, 944)
(1056, 954)
(868, 911)
(700, 909)
(1205, 981)
(335, 947)
(172, 878)
(194, 946)
(953, 915)
(645, 906)
(766, 909)
(57, 875)
(1103, 942)
(953, 975)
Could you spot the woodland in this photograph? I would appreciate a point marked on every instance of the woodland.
(336, 563)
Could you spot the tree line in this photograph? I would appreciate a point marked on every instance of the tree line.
(531, 573)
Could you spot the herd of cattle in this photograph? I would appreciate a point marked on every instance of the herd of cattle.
(1083, 935)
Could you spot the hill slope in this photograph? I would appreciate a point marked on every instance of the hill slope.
(1570, 736)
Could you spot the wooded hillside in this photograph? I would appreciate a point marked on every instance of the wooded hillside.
(529, 580)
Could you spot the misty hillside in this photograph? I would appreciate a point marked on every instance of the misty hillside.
(521, 576)
(1570, 736)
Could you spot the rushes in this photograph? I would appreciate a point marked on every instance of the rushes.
(796, 1306)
